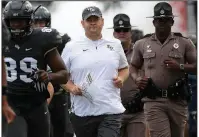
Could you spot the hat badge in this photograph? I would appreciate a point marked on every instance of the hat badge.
(120, 22)
(162, 11)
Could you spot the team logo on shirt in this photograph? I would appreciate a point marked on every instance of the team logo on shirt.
(110, 47)
(17, 46)
(7, 49)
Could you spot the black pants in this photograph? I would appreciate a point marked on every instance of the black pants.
(97, 126)
(60, 121)
(4, 126)
(33, 120)
(18, 128)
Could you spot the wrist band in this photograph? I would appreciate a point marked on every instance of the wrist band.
(49, 77)
(4, 90)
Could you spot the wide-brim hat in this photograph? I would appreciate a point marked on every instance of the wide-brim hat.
(163, 10)
(121, 21)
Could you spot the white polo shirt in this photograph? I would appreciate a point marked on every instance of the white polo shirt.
(92, 66)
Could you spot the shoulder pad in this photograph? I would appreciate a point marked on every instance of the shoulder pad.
(65, 38)
(49, 32)
(46, 29)
(53, 35)
(53, 39)
(148, 35)
(179, 34)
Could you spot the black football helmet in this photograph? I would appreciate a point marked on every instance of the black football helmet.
(42, 14)
(18, 10)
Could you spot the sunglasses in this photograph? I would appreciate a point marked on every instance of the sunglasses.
(122, 30)
(165, 19)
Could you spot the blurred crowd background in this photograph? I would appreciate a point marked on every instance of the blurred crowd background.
(66, 15)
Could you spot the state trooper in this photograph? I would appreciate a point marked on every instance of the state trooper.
(133, 122)
(165, 57)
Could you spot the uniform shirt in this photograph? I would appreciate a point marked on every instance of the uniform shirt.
(28, 53)
(129, 88)
(93, 65)
(151, 53)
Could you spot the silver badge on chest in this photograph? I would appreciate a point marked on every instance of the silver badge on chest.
(148, 48)
(175, 45)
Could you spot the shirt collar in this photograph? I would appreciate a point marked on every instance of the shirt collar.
(171, 36)
(129, 50)
(87, 39)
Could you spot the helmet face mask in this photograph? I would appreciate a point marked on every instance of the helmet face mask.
(19, 27)
(18, 18)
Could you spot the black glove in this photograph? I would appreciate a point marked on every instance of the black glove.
(38, 85)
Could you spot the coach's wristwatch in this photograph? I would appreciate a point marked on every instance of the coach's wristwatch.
(182, 67)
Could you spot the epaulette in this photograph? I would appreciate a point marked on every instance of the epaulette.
(148, 35)
(179, 34)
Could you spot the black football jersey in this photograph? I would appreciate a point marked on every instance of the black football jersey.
(65, 39)
(29, 53)
(5, 35)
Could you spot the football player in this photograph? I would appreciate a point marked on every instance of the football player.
(42, 18)
(27, 56)
(9, 114)
(61, 125)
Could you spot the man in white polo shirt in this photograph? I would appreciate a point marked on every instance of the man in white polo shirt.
(98, 68)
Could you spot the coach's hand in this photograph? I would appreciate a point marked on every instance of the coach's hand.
(76, 90)
(118, 82)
